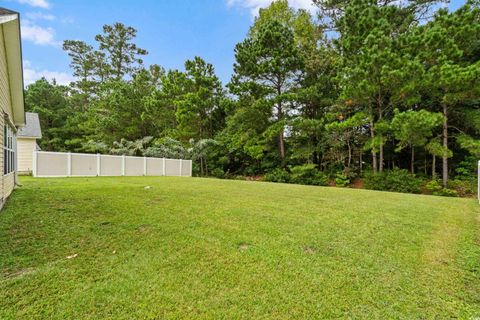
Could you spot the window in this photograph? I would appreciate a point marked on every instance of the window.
(8, 149)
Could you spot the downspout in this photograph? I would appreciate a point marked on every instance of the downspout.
(15, 162)
(15, 128)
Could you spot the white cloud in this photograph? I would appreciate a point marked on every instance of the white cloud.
(255, 5)
(31, 74)
(36, 3)
(40, 16)
(38, 35)
(67, 20)
(36, 16)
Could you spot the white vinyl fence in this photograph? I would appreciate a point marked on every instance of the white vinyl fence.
(65, 164)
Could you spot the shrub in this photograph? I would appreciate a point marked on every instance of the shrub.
(464, 188)
(308, 174)
(437, 189)
(396, 180)
(445, 192)
(218, 173)
(433, 186)
(277, 175)
(466, 169)
(342, 180)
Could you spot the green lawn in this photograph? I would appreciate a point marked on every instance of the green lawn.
(203, 248)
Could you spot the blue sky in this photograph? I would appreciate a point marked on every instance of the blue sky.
(171, 30)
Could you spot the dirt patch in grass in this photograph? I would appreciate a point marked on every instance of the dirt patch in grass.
(144, 228)
(309, 250)
(243, 246)
(18, 273)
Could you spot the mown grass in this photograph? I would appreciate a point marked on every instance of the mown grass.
(203, 248)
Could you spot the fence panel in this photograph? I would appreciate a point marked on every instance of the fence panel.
(110, 166)
(63, 164)
(83, 164)
(172, 167)
(186, 168)
(134, 166)
(57, 164)
(155, 167)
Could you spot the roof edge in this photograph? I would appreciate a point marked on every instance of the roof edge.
(13, 50)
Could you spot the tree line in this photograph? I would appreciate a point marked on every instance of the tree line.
(363, 87)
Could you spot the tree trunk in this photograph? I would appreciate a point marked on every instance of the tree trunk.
(425, 164)
(374, 154)
(349, 155)
(281, 143)
(412, 160)
(281, 140)
(434, 174)
(445, 145)
(361, 161)
(315, 157)
(380, 160)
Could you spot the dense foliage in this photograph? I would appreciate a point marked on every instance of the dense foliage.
(364, 88)
(398, 180)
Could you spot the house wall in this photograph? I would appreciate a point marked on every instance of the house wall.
(2, 187)
(25, 148)
(7, 182)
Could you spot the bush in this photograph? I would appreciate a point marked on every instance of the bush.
(445, 192)
(466, 169)
(218, 173)
(277, 175)
(437, 189)
(396, 180)
(342, 180)
(464, 188)
(433, 186)
(308, 174)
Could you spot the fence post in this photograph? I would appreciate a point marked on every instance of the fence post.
(123, 165)
(191, 168)
(163, 168)
(99, 169)
(69, 164)
(144, 166)
(181, 167)
(34, 166)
